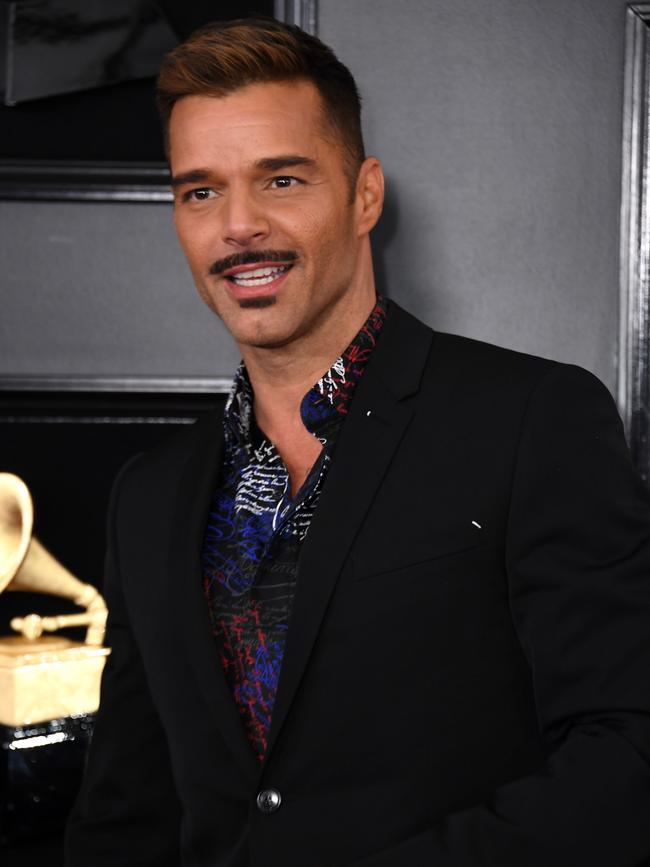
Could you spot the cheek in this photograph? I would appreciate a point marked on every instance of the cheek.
(334, 241)
(322, 232)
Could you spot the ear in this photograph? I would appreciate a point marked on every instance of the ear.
(370, 195)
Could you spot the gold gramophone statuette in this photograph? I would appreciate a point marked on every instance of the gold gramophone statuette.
(44, 677)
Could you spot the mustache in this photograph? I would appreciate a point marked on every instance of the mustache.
(251, 257)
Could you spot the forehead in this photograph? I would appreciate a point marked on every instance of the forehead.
(260, 116)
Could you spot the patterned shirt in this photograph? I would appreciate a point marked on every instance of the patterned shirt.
(255, 531)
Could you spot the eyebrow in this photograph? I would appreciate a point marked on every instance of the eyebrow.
(195, 176)
(285, 161)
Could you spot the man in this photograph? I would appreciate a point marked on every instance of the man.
(393, 607)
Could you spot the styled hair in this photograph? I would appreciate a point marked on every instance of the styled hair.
(225, 56)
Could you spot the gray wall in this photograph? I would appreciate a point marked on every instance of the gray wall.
(499, 126)
(102, 290)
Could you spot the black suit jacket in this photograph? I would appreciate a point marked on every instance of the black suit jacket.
(467, 674)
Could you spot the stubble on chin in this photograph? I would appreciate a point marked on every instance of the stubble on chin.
(257, 303)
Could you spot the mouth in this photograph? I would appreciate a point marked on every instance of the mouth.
(255, 285)
(250, 278)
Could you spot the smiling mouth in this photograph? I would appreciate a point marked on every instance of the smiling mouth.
(257, 276)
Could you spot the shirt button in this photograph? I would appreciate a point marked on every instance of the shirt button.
(269, 800)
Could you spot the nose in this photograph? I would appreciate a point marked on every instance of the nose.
(244, 220)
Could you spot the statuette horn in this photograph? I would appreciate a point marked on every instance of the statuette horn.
(26, 565)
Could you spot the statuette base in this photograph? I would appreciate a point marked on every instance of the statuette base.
(48, 678)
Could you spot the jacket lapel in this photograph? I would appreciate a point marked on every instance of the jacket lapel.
(195, 490)
(378, 418)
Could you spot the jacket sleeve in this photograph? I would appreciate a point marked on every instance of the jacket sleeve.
(578, 565)
(127, 811)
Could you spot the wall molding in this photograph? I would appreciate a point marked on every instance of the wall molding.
(118, 384)
(634, 310)
(304, 13)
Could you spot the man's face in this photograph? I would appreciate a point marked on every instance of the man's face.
(263, 210)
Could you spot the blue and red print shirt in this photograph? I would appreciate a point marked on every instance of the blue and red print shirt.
(255, 530)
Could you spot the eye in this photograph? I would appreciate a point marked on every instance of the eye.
(201, 194)
(283, 182)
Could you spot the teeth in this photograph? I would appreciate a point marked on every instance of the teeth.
(258, 276)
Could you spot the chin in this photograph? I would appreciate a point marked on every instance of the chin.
(259, 323)
(264, 335)
(263, 322)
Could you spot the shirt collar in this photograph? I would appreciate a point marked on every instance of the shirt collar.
(326, 403)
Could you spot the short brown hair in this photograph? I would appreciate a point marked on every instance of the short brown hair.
(227, 55)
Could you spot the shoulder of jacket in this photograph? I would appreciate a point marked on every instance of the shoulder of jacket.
(485, 363)
(467, 351)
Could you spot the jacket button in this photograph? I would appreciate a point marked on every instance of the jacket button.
(268, 800)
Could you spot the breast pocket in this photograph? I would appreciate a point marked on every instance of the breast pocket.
(415, 555)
